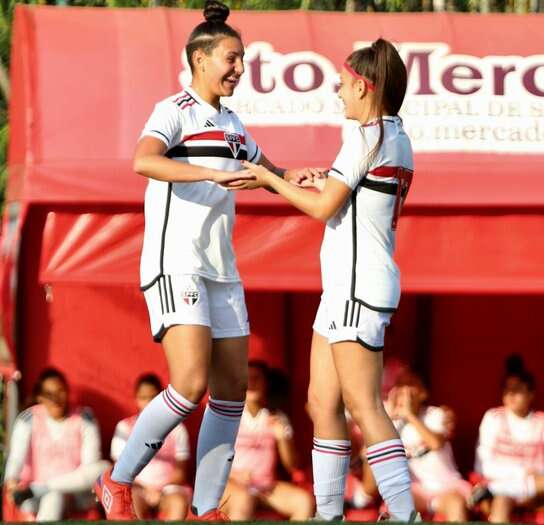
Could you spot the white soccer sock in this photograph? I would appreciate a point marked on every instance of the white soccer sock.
(154, 423)
(516, 488)
(215, 452)
(390, 468)
(330, 463)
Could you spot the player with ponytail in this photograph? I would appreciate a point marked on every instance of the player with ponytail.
(360, 201)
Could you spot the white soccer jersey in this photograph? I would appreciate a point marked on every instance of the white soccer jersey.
(357, 250)
(188, 226)
(510, 446)
(434, 469)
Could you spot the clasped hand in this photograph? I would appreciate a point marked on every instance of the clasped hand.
(254, 176)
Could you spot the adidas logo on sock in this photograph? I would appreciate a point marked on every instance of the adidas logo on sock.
(155, 445)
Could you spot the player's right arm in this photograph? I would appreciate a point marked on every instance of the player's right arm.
(149, 161)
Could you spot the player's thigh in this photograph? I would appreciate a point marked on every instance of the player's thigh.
(289, 500)
(188, 352)
(324, 394)
(360, 374)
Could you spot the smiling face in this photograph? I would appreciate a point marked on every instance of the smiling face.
(221, 69)
(355, 96)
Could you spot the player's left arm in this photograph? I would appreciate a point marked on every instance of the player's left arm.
(321, 206)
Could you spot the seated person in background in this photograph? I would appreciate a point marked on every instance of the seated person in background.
(510, 450)
(425, 431)
(54, 453)
(161, 485)
(253, 480)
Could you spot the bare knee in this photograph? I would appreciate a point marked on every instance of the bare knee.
(191, 388)
(321, 406)
(230, 387)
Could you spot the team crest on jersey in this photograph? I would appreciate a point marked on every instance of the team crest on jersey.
(190, 297)
(234, 142)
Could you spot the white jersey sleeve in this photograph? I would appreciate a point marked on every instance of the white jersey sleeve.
(119, 440)
(253, 151)
(183, 448)
(19, 445)
(90, 442)
(352, 162)
(164, 123)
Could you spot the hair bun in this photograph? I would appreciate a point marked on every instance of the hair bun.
(514, 364)
(215, 11)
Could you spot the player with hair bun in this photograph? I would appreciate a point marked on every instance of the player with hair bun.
(360, 201)
(190, 148)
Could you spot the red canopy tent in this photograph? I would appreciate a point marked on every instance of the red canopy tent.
(469, 243)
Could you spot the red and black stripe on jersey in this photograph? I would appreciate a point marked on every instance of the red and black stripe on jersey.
(185, 100)
(223, 150)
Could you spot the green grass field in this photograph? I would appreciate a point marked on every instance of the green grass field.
(69, 522)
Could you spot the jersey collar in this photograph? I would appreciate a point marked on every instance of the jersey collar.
(208, 108)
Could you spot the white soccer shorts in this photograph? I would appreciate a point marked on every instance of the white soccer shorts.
(340, 319)
(193, 300)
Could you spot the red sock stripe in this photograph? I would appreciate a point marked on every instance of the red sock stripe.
(396, 450)
(176, 406)
(334, 452)
(226, 410)
(383, 449)
(387, 458)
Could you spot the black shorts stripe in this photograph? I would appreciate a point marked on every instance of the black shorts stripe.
(346, 313)
(358, 314)
(165, 294)
(205, 151)
(336, 171)
(171, 293)
(352, 313)
(160, 296)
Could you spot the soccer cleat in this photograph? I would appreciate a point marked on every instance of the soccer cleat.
(115, 498)
(211, 515)
(415, 517)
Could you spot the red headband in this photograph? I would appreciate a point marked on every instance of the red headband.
(370, 86)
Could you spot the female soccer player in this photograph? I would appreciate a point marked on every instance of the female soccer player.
(360, 202)
(190, 147)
